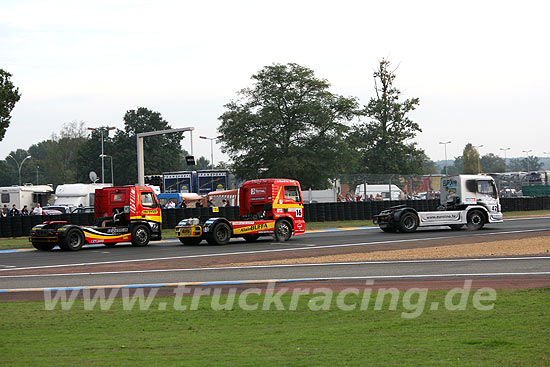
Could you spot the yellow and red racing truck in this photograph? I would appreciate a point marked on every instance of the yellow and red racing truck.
(266, 207)
(122, 214)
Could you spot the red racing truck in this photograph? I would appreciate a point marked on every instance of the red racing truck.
(122, 214)
(266, 207)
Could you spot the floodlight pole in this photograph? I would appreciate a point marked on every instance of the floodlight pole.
(140, 136)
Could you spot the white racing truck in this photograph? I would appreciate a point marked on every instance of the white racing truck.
(470, 200)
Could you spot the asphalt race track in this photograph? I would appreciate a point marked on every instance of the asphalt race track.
(168, 262)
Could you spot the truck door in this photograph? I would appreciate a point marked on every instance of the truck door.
(290, 202)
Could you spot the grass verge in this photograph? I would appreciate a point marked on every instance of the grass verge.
(515, 333)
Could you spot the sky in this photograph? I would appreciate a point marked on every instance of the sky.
(480, 68)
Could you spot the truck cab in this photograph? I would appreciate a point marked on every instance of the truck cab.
(122, 214)
(470, 200)
(266, 207)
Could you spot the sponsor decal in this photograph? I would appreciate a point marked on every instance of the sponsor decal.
(118, 230)
(97, 241)
(150, 211)
(254, 228)
(257, 191)
(470, 200)
(441, 216)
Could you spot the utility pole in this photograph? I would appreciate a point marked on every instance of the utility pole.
(211, 150)
(445, 144)
(19, 165)
(505, 161)
(527, 159)
(102, 154)
(478, 158)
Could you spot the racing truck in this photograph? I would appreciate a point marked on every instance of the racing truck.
(466, 200)
(122, 214)
(266, 207)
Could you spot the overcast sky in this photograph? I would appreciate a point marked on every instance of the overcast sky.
(480, 68)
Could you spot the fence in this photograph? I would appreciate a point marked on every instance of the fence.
(317, 212)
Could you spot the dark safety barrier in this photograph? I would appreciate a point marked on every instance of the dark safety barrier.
(318, 212)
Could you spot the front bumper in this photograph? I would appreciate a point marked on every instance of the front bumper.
(189, 231)
(496, 218)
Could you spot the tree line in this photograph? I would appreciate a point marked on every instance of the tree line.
(471, 162)
(70, 155)
(287, 123)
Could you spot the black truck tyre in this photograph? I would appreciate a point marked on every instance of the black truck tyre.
(190, 241)
(220, 234)
(140, 235)
(251, 237)
(283, 230)
(41, 246)
(476, 220)
(408, 222)
(73, 241)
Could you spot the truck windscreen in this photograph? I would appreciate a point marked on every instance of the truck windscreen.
(486, 188)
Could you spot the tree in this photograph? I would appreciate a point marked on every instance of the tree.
(456, 168)
(89, 156)
(470, 159)
(384, 137)
(162, 153)
(9, 96)
(288, 124)
(492, 163)
(10, 169)
(530, 163)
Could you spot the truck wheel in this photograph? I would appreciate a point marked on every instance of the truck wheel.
(456, 227)
(476, 220)
(40, 246)
(408, 222)
(140, 235)
(73, 241)
(251, 237)
(220, 235)
(283, 231)
(190, 241)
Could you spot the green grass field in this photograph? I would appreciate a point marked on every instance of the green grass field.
(22, 242)
(515, 333)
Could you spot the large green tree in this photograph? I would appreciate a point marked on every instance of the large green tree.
(10, 168)
(530, 163)
(162, 153)
(385, 136)
(288, 124)
(9, 95)
(470, 159)
(491, 163)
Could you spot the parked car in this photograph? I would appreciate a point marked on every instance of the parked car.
(83, 210)
(51, 212)
(60, 208)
